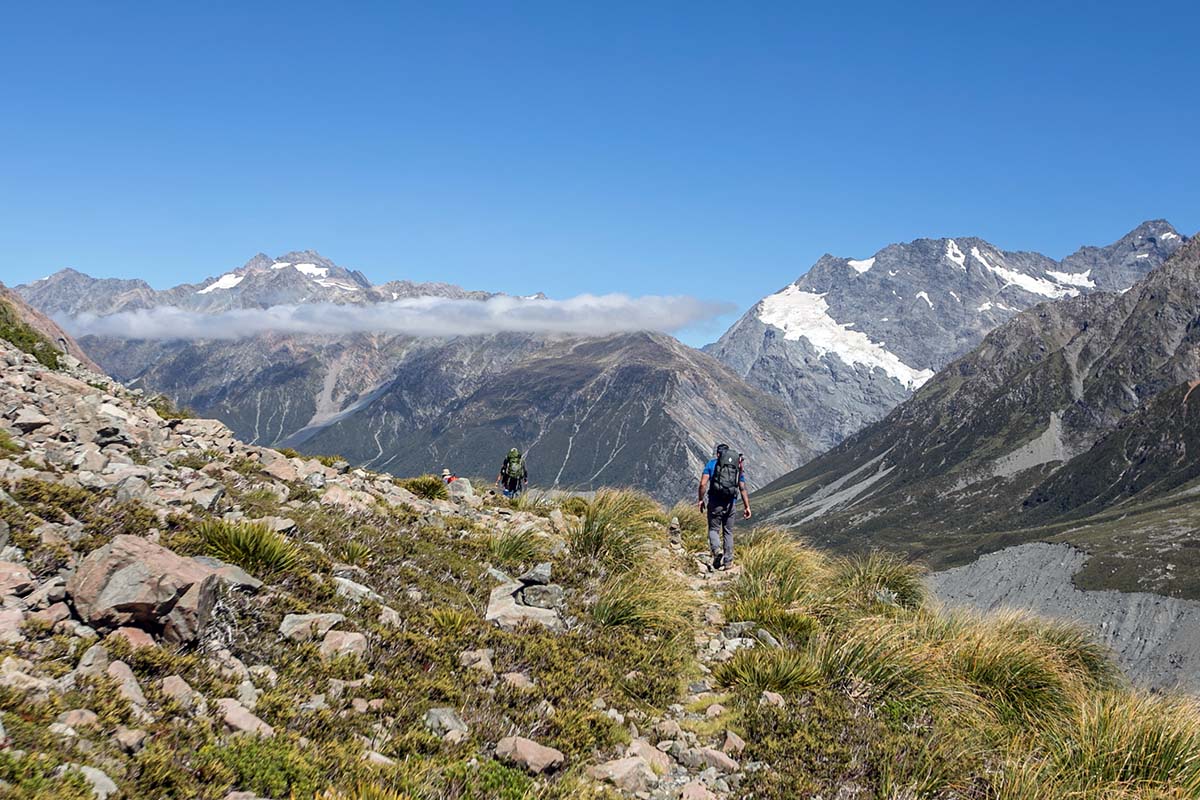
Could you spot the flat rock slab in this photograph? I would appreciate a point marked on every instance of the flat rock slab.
(631, 775)
(305, 626)
(529, 754)
(504, 610)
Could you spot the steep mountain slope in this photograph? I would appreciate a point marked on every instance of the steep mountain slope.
(15, 311)
(1069, 416)
(633, 409)
(851, 338)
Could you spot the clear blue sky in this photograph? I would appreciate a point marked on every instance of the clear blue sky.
(714, 149)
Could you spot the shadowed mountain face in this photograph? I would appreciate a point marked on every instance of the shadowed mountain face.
(633, 409)
(1075, 421)
(851, 339)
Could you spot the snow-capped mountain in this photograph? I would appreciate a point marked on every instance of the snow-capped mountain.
(296, 277)
(627, 409)
(852, 338)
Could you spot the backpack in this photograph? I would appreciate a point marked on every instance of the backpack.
(725, 474)
(513, 467)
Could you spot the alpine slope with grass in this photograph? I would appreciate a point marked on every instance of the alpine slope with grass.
(852, 338)
(637, 409)
(185, 615)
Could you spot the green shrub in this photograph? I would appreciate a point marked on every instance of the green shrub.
(776, 669)
(616, 529)
(274, 767)
(251, 545)
(7, 445)
(25, 338)
(427, 487)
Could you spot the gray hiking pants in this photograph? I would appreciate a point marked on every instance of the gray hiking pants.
(720, 527)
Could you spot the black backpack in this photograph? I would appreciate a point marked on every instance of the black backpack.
(725, 475)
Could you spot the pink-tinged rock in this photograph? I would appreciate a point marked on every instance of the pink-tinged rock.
(130, 739)
(52, 615)
(16, 579)
(182, 693)
(733, 743)
(631, 775)
(136, 637)
(127, 683)
(343, 643)
(238, 719)
(696, 791)
(281, 469)
(701, 757)
(529, 754)
(659, 761)
(772, 699)
(132, 581)
(11, 620)
(79, 718)
(302, 626)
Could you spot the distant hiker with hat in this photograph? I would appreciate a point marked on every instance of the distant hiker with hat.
(722, 483)
(513, 475)
(448, 477)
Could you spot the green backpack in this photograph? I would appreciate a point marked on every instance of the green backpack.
(514, 465)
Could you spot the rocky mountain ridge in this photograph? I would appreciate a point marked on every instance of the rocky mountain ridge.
(1074, 422)
(851, 339)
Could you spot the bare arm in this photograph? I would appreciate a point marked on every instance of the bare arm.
(703, 492)
(745, 500)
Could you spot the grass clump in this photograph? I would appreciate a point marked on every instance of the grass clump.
(615, 530)
(166, 408)
(645, 599)
(7, 445)
(775, 669)
(517, 547)
(778, 573)
(253, 546)
(354, 552)
(881, 579)
(427, 487)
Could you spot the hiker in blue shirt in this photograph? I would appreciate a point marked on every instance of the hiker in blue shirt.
(721, 484)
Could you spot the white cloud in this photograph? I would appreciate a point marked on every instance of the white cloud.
(585, 315)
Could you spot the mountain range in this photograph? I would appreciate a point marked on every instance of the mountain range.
(1075, 421)
(636, 409)
(850, 339)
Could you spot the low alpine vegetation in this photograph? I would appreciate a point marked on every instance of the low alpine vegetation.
(615, 530)
(647, 598)
(426, 487)
(513, 548)
(253, 546)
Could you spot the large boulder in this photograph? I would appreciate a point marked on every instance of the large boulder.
(132, 581)
(529, 754)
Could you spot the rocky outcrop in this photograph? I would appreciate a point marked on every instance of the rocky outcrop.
(132, 581)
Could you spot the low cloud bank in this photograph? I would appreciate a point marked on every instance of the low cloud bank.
(585, 315)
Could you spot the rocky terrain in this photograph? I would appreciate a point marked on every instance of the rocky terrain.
(184, 615)
(630, 409)
(850, 339)
(1073, 422)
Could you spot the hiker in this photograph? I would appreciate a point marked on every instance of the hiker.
(448, 477)
(513, 475)
(721, 484)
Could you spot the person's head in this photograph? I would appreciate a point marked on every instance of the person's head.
(445, 473)
(721, 448)
(514, 453)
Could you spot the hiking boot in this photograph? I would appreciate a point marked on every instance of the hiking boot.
(717, 561)
(726, 564)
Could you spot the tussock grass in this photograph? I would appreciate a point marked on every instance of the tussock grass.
(646, 598)
(778, 573)
(1074, 645)
(693, 526)
(535, 501)
(616, 529)
(515, 547)
(7, 445)
(878, 660)
(354, 552)
(251, 545)
(880, 579)
(775, 669)
(427, 487)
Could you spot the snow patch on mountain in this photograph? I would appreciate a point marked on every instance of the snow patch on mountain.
(312, 270)
(226, 281)
(1168, 236)
(954, 254)
(861, 266)
(1073, 278)
(925, 297)
(281, 265)
(804, 315)
(1022, 281)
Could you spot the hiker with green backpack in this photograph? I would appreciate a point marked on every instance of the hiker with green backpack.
(722, 483)
(513, 475)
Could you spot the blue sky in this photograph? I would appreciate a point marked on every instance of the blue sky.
(712, 149)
